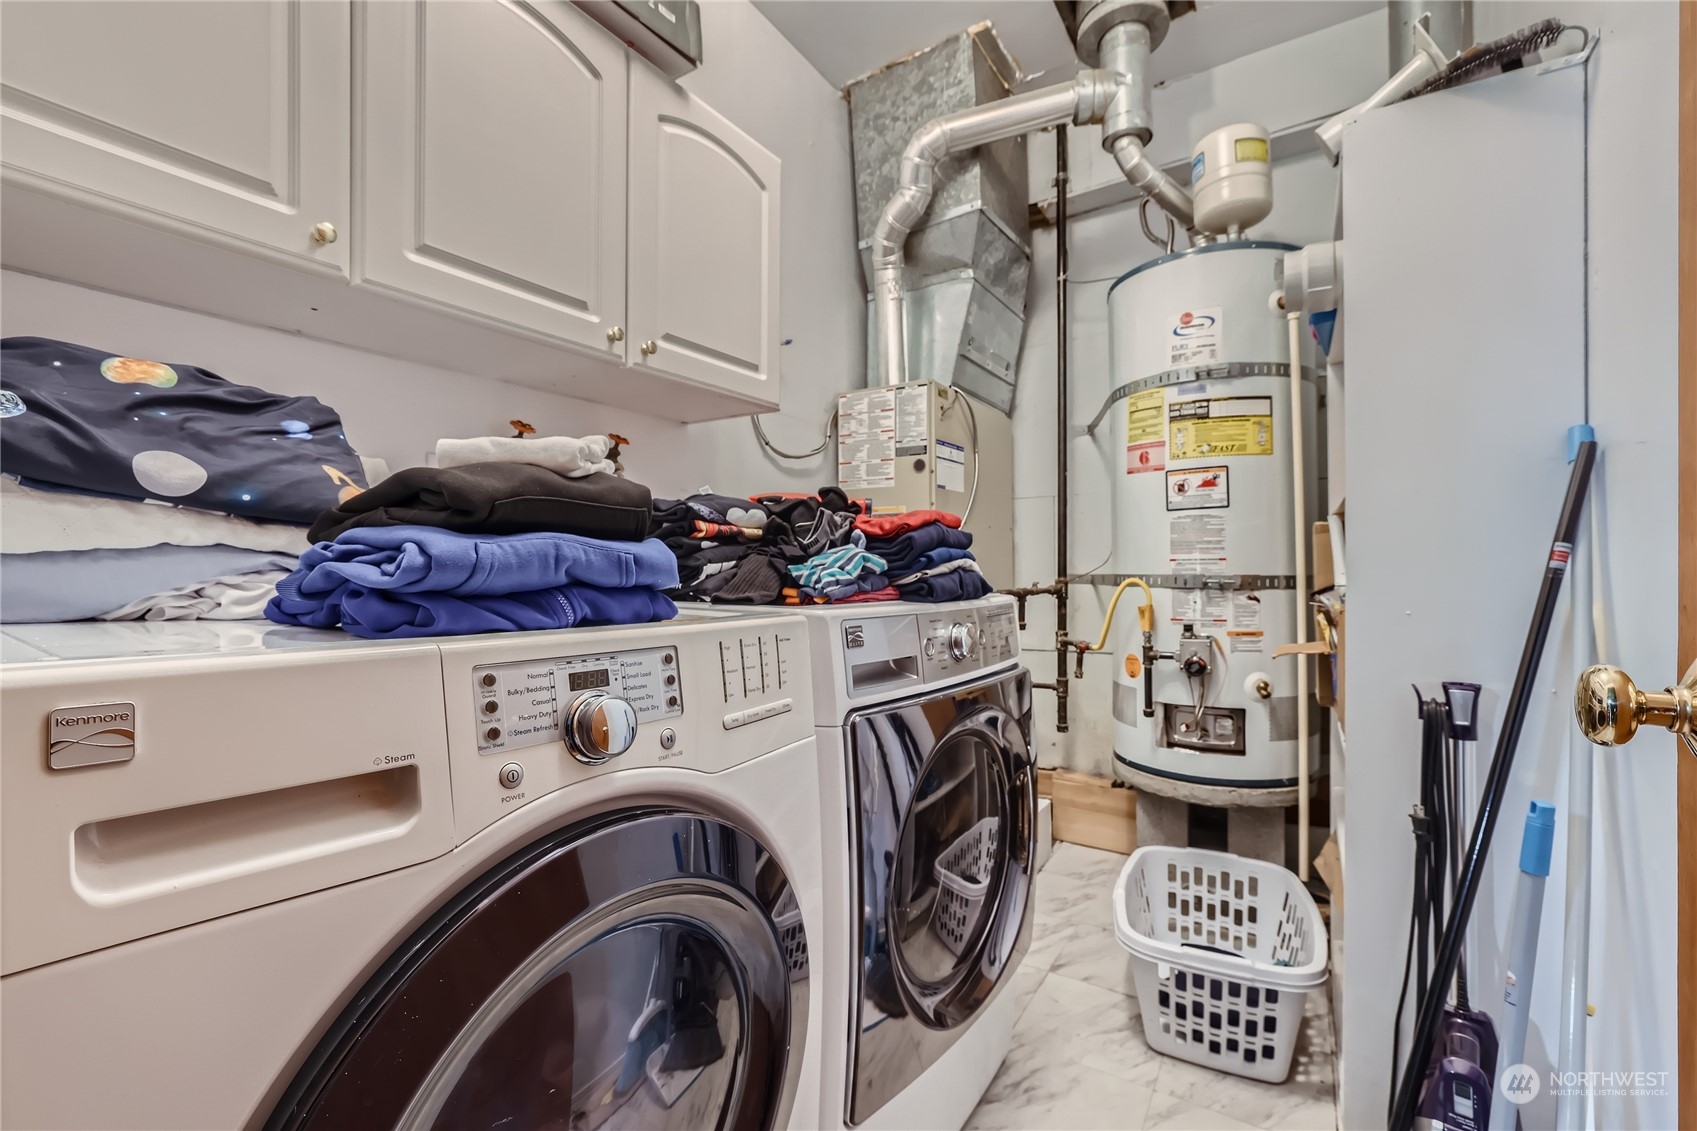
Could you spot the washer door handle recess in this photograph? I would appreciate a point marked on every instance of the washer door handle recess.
(1610, 707)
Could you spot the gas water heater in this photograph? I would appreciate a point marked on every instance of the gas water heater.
(1203, 512)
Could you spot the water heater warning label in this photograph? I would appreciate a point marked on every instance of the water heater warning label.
(1198, 543)
(1193, 336)
(1198, 489)
(1220, 426)
(1146, 432)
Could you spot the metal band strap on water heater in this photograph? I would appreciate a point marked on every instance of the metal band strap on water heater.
(1248, 581)
(1190, 373)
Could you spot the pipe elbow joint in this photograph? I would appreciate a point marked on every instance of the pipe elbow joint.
(1094, 91)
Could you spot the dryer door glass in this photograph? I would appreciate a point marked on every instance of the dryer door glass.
(646, 970)
(949, 860)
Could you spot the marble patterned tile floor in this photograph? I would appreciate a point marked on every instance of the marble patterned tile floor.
(1078, 1059)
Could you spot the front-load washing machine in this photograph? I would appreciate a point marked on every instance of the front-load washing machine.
(269, 877)
(928, 787)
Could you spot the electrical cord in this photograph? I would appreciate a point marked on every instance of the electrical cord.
(765, 442)
(1433, 838)
(977, 456)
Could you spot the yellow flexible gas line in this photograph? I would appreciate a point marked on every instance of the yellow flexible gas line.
(1145, 612)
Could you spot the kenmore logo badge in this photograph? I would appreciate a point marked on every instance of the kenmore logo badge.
(91, 735)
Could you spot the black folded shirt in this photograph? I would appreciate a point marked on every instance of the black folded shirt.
(496, 498)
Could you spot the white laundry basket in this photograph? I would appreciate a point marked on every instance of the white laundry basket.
(1225, 951)
(787, 918)
(963, 877)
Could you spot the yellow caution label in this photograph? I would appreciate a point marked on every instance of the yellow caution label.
(1252, 149)
(1211, 427)
(1144, 415)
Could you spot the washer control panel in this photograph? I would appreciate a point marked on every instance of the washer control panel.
(967, 639)
(759, 668)
(519, 705)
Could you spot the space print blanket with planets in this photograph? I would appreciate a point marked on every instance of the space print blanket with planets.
(95, 421)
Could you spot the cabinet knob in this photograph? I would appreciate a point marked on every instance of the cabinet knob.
(650, 347)
(324, 232)
(616, 334)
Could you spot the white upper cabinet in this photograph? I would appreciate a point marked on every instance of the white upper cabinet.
(703, 244)
(227, 118)
(491, 172)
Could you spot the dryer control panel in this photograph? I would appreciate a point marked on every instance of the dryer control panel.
(518, 705)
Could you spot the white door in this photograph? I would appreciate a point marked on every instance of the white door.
(228, 118)
(492, 164)
(703, 244)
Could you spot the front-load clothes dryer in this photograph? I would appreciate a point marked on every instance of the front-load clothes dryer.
(267, 877)
(928, 791)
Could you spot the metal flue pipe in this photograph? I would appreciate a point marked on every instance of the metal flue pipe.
(1125, 128)
(1082, 101)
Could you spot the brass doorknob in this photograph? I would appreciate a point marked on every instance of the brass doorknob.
(650, 347)
(1610, 707)
(616, 334)
(324, 232)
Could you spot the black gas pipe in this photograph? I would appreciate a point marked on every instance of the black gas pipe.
(1058, 590)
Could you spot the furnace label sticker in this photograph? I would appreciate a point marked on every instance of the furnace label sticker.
(866, 439)
(1220, 426)
(913, 421)
(951, 466)
(1198, 542)
(1193, 336)
(1245, 633)
(1145, 432)
(1198, 489)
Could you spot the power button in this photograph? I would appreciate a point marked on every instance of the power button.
(511, 775)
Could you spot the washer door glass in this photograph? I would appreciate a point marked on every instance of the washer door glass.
(644, 970)
(947, 870)
(640, 1028)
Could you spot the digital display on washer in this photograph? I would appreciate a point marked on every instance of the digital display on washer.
(589, 680)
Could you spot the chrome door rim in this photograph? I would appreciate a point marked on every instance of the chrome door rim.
(715, 895)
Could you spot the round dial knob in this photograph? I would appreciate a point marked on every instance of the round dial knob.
(1195, 666)
(963, 641)
(599, 726)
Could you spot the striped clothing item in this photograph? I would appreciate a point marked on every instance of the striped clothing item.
(839, 566)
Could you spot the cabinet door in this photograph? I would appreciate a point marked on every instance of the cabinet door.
(492, 163)
(703, 244)
(229, 118)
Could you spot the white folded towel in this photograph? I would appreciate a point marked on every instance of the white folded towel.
(240, 596)
(34, 521)
(570, 456)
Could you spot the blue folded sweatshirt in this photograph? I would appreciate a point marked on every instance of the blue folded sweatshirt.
(378, 614)
(426, 559)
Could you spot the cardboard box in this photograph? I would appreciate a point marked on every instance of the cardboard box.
(1092, 811)
(1324, 578)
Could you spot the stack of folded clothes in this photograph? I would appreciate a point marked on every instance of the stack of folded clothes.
(137, 490)
(927, 556)
(730, 550)
(482, 547)
(789, 549)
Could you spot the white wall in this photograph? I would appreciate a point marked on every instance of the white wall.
(1631, 288)
(1632, 283)
(397, 410)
